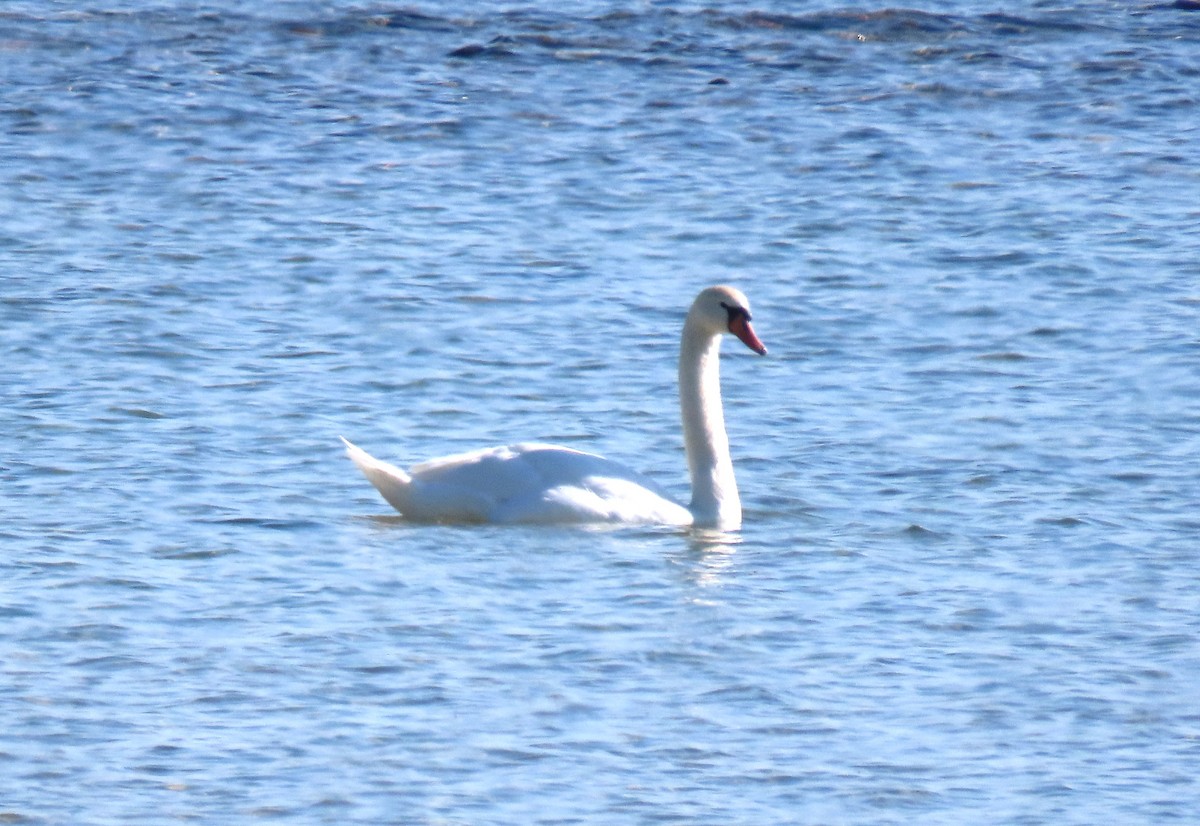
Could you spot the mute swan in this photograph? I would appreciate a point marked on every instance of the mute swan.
(539, 483)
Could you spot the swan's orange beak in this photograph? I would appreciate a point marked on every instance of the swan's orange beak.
(740, 326)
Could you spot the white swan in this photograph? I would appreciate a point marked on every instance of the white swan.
(539, 483)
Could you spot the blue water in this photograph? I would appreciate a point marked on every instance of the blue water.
(967, 587)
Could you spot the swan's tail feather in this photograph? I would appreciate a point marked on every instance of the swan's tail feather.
(392, 482)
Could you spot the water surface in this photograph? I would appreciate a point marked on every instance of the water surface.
(966, 590)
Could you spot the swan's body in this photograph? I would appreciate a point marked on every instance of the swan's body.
(538, 483)
(521, 483)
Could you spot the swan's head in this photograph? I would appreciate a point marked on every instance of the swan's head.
(725, 309)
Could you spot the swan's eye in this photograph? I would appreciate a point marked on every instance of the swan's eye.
(735, 312)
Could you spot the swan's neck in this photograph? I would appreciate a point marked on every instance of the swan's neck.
(715, 501)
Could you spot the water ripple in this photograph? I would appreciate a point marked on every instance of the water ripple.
(966, 580)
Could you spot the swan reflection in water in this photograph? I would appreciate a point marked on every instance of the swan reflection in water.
(710, 557)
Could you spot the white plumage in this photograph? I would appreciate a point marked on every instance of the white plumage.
(540, 483)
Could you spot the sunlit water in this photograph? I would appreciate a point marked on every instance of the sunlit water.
(967, 588)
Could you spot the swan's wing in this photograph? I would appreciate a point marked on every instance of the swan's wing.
(479, 486)
(503, 471)
(584, 487)
(596, 499)
(538, 483)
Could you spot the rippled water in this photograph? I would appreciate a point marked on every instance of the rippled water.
(966, 590)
